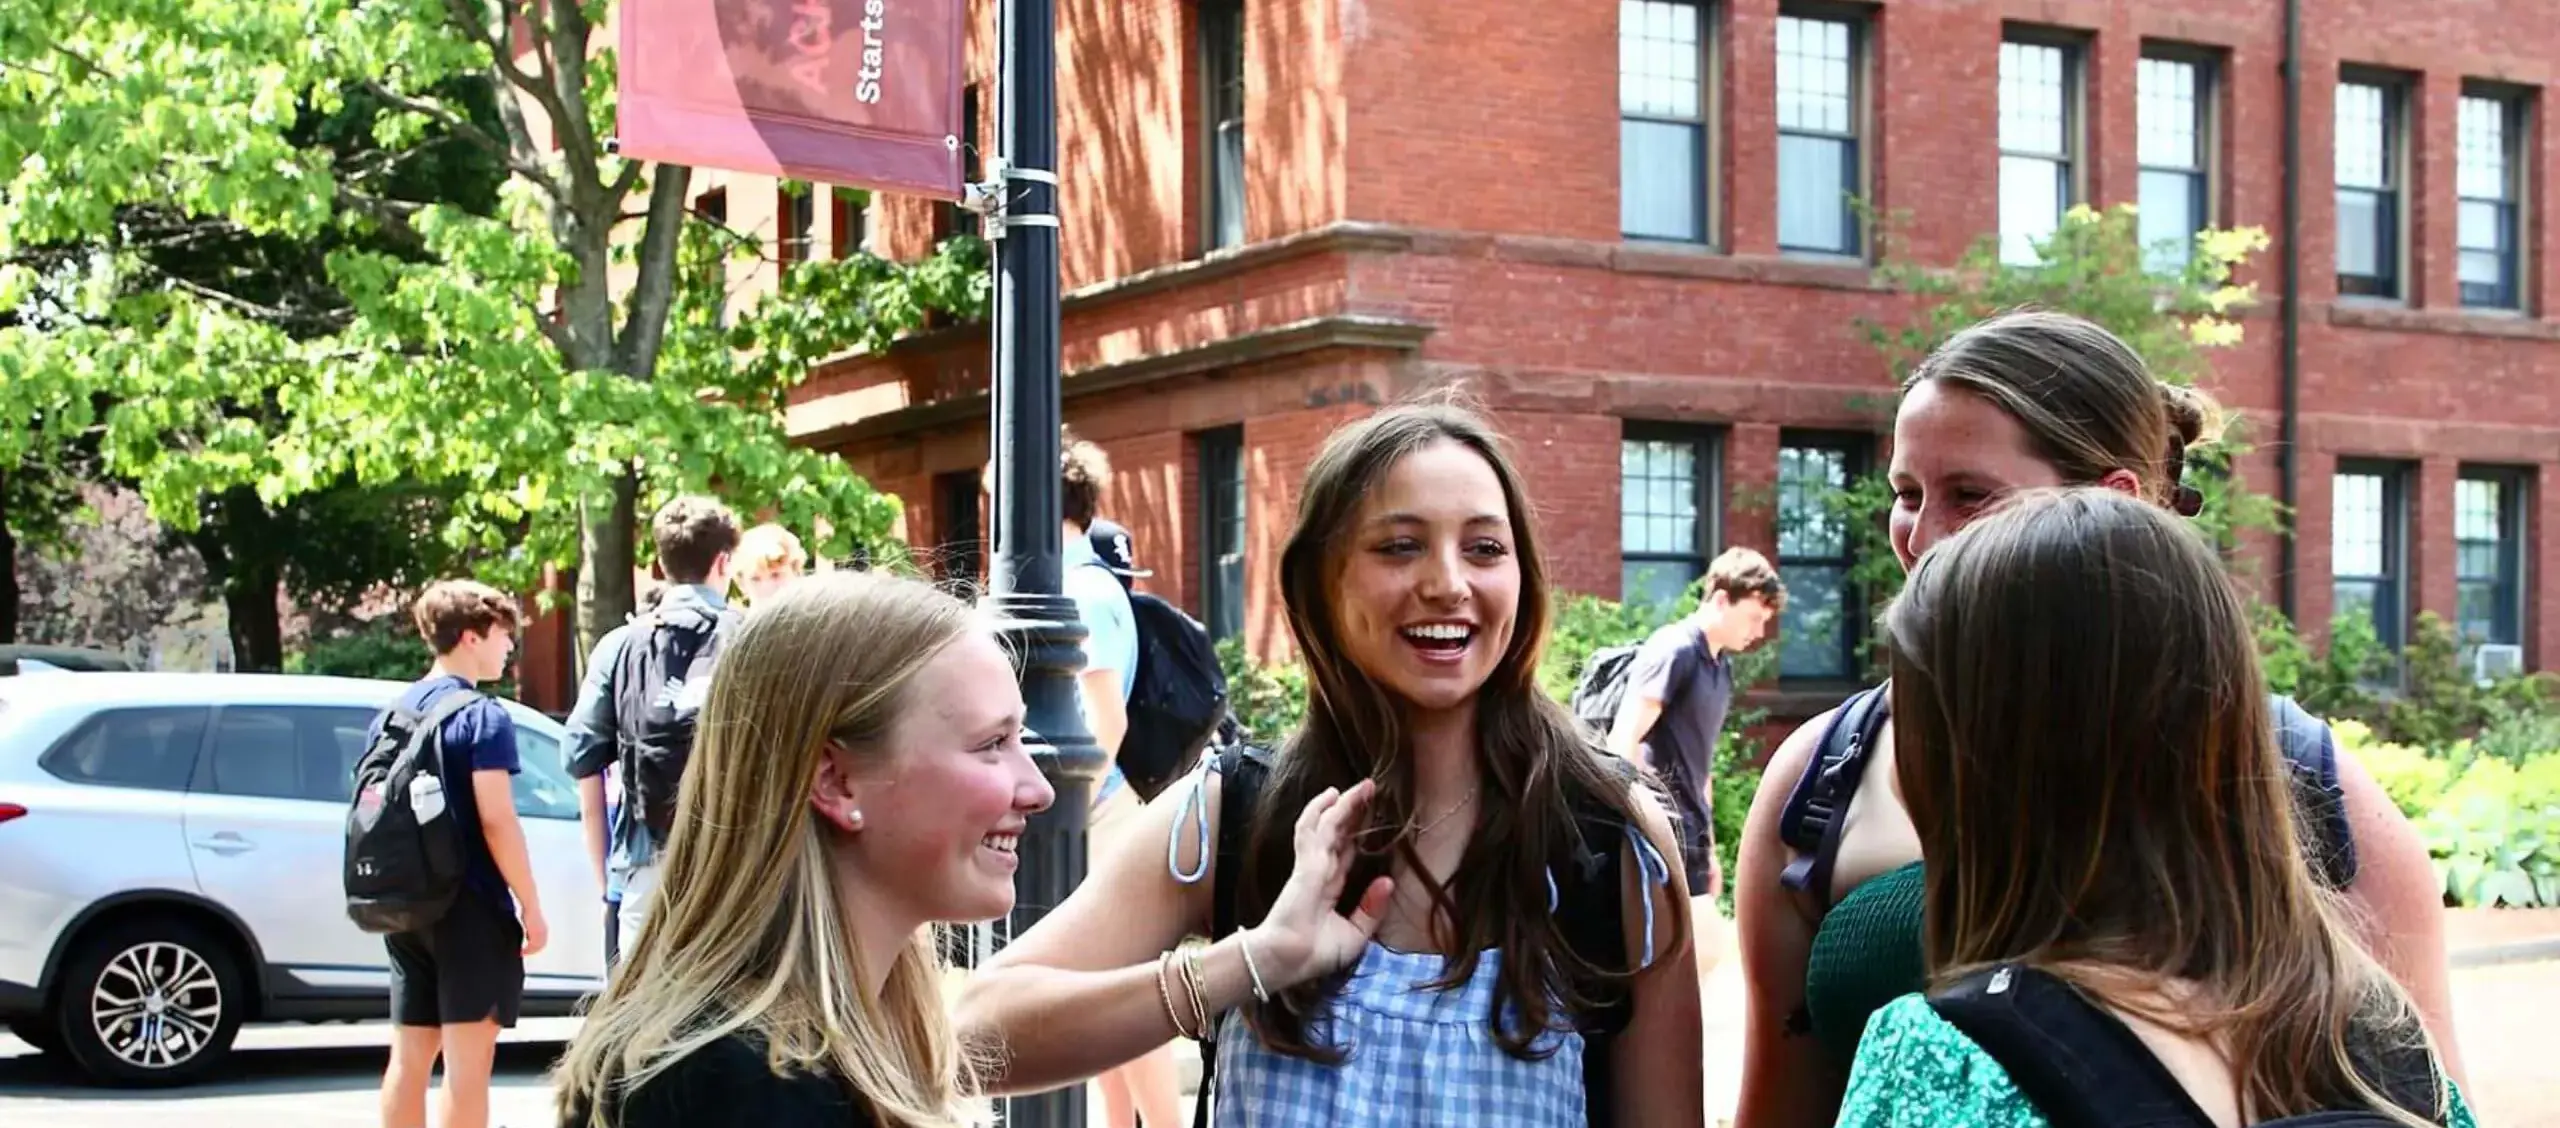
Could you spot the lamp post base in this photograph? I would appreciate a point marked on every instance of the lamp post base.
(1042, 633)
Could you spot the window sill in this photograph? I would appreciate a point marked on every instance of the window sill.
(1831, 258)
(1824, 272)
(2510, 324)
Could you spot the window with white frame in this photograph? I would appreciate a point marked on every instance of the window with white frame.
(1818, 632)
(2367, 503)
(2488, 179)
(2174, 111)
(1818, 134)
(2039, 139)
(1667, 511)
(850, 220)
(2488, 537)
(1662, 120)
(799, 223)
(2367, 144)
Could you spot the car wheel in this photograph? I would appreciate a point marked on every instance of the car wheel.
(149, 1001)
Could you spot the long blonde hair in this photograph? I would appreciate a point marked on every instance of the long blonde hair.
(746, 933)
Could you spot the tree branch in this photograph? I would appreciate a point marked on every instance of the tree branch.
(392, 214)
(552, 330)
(644, 326)
(622, 185)
(329, 321)
(500, 40)
(470, 131)
(564, 67)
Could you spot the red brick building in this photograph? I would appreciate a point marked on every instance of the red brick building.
(1622, 224)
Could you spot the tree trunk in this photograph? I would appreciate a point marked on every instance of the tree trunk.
(605, 561)
(237, 540)
(257, 625)
(8, 569)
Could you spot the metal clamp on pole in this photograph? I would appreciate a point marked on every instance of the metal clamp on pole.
(990, 201)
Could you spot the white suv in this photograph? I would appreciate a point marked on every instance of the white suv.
(171, 852)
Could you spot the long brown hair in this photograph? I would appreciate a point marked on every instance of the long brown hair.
(2129, 822)
(2087, 401)
(1540, 769)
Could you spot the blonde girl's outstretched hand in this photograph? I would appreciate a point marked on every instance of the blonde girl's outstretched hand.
(1305, 937)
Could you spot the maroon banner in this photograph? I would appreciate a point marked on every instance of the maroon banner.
(863, 93)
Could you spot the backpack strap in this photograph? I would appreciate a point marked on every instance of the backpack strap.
(1817, 809)
(431, 726)
(1590, 907)
(1243, 768)
(2083, 1067)
(2312, 752)
(2079, 1065)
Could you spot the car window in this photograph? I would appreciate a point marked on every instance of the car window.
(154, 749)
(287, 752)
(543, 788)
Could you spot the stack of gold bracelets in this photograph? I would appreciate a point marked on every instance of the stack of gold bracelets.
(1183, 963)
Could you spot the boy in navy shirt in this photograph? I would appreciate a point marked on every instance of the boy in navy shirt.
(456, 984)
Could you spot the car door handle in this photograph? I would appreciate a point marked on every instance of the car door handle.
(226, 843)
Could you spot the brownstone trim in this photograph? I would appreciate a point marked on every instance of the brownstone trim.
(1297, 338)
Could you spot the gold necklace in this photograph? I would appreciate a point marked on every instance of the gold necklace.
(1454, 808)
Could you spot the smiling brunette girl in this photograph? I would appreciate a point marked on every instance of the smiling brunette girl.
(1438, 877)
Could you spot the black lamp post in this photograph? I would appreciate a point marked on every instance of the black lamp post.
(1040, 623)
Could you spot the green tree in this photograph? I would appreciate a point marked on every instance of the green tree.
(524, 352)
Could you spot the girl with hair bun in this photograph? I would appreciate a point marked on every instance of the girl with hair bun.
(1828, 903)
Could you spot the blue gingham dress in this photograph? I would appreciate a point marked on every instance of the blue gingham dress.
(1413, 1057)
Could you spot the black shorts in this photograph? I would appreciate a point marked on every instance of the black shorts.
(468, 968)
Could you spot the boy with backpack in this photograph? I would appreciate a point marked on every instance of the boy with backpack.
(437, 861)
(1177, 700)
(638, 706)
(1679, 686)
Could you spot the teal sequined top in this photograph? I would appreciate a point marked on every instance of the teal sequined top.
(1916, 1070)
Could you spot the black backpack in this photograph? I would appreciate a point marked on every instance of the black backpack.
(1602, 688)
(2084, 1068)
(1588, 901)
(1811, 824)
(654, 716)
(404, 850)
(1177, 696)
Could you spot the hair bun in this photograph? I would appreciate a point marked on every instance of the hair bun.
(2191, 412)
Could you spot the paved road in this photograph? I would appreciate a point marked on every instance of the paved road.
(325, 1077)
(319, 1076)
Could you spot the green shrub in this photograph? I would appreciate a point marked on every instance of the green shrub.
(2414, 779)
(1588, 624)
(379, 649)
(2520, 735)
(2495, 834)
(386, 648)
(1269, 700)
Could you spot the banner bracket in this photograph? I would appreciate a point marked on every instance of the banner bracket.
(988, 199)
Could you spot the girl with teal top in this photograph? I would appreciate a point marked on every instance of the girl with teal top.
(2121, 838)
(1830, 932)
(1438, 904)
